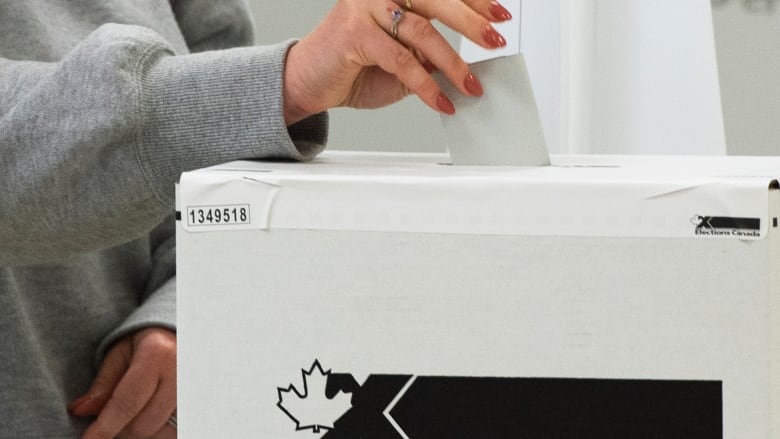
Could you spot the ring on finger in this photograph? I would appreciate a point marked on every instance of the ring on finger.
(408, 5)
(396, 15)
(172, 422)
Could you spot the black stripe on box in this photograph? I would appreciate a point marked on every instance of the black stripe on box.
(544, 408)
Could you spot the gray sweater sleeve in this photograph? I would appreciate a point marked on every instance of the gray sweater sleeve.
(158, 304)
(93, 144)
(206, 25)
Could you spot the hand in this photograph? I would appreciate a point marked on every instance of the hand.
(134, 393)
(350, 59)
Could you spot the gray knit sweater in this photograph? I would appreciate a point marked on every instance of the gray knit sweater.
(102, 106)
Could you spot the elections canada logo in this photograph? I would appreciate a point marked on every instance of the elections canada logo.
(725, 226)
(333, 405)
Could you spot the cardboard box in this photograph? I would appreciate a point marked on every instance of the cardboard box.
(394, 296)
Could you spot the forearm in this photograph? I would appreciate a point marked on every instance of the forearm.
(93, 145)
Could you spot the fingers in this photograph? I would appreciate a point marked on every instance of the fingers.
(491, 9)
(419, 33)
(417, 38)
(167, 432)
(145, 396)
(471, 18)
(131, 394)
(397, 60)
(347, 61)
(154, 417)
(114, 366)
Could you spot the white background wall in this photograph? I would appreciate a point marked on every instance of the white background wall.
(748, 37)
(644, 78)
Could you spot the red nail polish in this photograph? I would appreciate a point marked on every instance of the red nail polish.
(473, 85)
(493, 38)
(499, 12)
(445, 105)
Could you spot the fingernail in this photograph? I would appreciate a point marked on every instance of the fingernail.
(499, 12)
(473, 85)
(80, 402)
(445, 105)
(493, 38)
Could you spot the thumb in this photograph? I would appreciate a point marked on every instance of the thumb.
(113, 368)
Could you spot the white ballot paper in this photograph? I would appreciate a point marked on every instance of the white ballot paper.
(501, 128)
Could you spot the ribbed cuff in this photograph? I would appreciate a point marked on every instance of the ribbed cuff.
(209, 108)
(159, 310)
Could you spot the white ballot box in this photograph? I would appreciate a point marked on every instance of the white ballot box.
(394, 296)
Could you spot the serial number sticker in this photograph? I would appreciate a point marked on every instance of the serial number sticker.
(226, 215)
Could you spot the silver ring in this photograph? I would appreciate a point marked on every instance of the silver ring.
(408, 5)
(172, 422)
(396, 15)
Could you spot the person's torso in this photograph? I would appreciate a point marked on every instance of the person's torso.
(46, 30)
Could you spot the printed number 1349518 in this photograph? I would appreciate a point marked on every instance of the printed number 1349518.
(218, 215)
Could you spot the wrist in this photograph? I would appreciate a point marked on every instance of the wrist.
(296, 105)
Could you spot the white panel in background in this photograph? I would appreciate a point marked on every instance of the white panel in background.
(748, 39)
(540, 43)
(655, 79)
(472, 53)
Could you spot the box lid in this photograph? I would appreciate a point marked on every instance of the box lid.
(621, 196)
